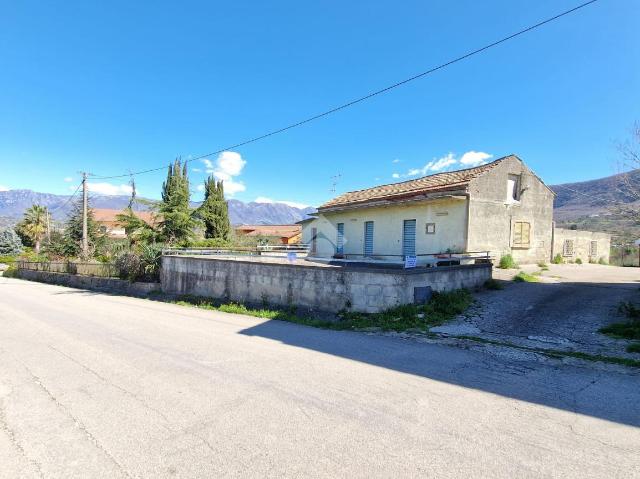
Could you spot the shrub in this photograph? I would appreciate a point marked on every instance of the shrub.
(578, 261)
(493, 284)
(557, 259)
(507, 262)
(601, 260)
(542, 264)
(210, 243)
(523, 277)
(10, 243)
(150, 258)
(128, 265)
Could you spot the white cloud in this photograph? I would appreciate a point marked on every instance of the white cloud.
(442, 163)
(470, 158)
(3, 188)
(68, 179)
(196, 170)
(475, 158)
(263, 199)
(396, 161)
(228, 165)
(109, 189)
(207, 162)
(200, 187)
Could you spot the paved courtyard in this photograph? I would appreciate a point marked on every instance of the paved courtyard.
(563, 311)
(93, 385)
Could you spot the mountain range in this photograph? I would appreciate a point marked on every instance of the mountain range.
(587, 204)
(13, 203)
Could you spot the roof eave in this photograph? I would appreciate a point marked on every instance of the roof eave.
(458, 193)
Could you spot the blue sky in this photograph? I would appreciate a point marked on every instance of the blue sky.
(115, 86)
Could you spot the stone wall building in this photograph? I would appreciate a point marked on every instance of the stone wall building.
(588, 246)
(501, 207)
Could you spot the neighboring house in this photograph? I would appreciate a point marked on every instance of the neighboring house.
(586, 245)
(501, 207)
(288, 234)
(109, 225)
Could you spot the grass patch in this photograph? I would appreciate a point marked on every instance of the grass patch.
(633, 348)
(554, 353)
(628, 329)
(441, 308)
(523, 277)
(557, 259)
(507, 262)
(493, 284)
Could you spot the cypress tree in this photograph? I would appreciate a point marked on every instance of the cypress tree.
(177, 217)
(214, 211)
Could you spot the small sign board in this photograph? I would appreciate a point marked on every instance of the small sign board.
(292, 257)
(637, 242)
(410, 261)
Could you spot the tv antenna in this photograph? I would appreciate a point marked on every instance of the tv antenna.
(334, 182)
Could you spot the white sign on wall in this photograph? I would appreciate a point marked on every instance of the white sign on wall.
(410, 261)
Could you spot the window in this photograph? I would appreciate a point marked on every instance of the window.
(430, 228)
(340, 239)
(368, 238)
(593, 248)
(567, 248)
(521, 234)
(513, 188)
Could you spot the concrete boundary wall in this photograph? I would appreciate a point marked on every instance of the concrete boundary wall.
(319, 288)
(112, 285)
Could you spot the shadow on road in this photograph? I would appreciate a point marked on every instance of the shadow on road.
(614, 396)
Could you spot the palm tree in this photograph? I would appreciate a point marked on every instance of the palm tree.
(34, 224)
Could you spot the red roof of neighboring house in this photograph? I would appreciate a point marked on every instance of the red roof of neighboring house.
(109, 216)
(283, 231)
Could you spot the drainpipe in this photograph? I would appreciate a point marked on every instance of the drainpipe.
(466, 226)
(553, 238)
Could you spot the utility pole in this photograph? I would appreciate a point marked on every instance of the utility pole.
(85, 239)
(48, 226)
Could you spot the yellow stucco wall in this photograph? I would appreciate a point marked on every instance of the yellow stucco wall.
(449, 216)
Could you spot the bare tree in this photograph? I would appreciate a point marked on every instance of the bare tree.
(628, 164)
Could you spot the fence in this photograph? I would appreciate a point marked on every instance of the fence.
(624, 255)
(103, 270)
(263, 250)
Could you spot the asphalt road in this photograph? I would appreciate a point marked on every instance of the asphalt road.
(94, 386)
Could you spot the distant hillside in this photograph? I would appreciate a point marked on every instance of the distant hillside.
(575, 200)
(13, 203)
(590, 205)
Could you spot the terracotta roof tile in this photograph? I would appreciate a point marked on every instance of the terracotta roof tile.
(450, 180)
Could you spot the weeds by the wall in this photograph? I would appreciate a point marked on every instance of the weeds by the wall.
(507, 262)
(440, 308)
(523, 277)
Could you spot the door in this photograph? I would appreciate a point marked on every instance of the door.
(368, 238)
(340, 239)
(409, 238)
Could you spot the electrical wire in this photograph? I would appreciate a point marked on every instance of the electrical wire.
(66, 202)
(368, 96)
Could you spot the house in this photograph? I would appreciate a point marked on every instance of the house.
(501, 208)
(109, 225)
(287, 234)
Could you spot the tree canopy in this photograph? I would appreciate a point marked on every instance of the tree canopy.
(178, 220)
(214, 211)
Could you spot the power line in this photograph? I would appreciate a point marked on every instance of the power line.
(68, 200)
(370, 95)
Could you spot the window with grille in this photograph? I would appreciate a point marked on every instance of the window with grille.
(430, 229)
(521, 234)
(593, 248)
(567, 248)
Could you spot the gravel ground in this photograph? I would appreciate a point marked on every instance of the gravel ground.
(563, 311)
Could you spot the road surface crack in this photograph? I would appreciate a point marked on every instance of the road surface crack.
(10, 433)
(116, 386)
(79, 424)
